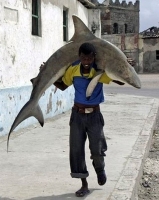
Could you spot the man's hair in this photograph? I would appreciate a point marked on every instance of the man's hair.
(87, 48)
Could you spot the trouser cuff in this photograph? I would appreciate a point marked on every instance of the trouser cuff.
(79, 175)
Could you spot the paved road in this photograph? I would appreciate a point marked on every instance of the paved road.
(150, 87)
(37, 165)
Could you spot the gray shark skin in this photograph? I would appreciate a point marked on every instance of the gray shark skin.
(109, 59)
(114, 62)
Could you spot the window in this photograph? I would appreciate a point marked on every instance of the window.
(126, 28)
(157, 54)
(65, 24)
(115, 28)
(36, 17)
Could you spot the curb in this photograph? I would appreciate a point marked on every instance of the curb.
(127, 185)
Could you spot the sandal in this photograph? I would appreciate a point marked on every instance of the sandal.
(82, 192)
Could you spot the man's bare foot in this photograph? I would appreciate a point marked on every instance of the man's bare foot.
(82, 192)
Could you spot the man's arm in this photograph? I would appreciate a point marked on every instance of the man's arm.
(60, 85)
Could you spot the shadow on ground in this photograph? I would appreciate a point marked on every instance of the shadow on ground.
(55, 197)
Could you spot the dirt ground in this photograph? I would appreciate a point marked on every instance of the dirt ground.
(149, 183)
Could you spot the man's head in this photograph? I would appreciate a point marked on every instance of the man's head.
(87, 54)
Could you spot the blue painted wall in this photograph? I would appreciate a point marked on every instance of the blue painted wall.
(13, 99)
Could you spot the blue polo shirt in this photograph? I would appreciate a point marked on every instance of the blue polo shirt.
(73, 75)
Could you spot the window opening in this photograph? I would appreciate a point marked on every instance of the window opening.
(115, 28)
(36, 15)
(65, 24)
(157, 54)
(126, 28)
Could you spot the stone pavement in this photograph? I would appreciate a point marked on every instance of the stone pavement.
(37, 164)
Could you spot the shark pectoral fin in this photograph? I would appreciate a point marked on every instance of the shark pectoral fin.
(93, 83)
(37, 113)
(33, 80)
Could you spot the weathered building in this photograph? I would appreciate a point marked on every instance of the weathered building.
(30, 32)
(149, 50)
(120, 26)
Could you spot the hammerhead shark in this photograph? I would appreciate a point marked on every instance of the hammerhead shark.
(109, 59)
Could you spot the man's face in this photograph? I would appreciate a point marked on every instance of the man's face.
(86, 60)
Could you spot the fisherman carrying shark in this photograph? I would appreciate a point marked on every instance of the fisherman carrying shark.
(102, 64)
(86, 118)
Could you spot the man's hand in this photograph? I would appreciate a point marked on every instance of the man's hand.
(131, 61)
(118, 82)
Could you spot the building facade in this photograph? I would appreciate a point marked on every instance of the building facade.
(120, 26)
(149, 50)
(30, 32)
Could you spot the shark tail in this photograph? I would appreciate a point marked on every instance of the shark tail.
(27, 111)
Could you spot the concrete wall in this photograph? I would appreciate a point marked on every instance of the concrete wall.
(147, 54)
(21, 54)
(94, 21)
(141, 52)
(150, 63)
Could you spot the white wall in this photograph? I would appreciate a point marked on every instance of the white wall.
(21, 54)
(94, 17)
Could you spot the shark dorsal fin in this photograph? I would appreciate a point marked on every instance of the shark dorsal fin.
(81, 31)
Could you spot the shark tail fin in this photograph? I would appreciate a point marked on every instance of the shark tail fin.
(25, 113)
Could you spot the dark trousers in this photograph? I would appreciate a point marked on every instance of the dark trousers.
(81, 126)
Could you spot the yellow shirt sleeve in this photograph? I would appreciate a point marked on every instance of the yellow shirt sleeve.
(105, 79)
(67, 77)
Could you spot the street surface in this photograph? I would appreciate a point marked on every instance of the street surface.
(149, 82)
(37, 164)
(149, 183)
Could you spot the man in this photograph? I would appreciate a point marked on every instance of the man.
(86, 118)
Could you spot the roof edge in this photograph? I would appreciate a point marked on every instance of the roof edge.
(87, 3)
